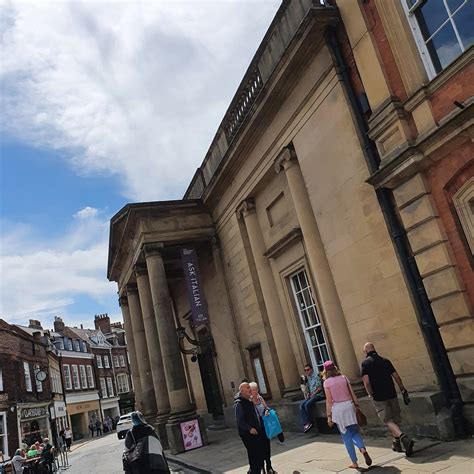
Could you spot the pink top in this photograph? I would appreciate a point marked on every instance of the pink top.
(338, 387)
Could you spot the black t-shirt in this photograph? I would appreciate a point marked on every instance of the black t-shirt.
(380, 372)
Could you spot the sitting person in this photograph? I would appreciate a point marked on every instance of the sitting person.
(315, 392)
(32, 452)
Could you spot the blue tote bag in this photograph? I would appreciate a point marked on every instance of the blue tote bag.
(272, 424)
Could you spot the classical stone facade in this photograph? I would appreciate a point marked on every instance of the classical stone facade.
(297, 254)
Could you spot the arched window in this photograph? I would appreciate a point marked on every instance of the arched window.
(463, 201)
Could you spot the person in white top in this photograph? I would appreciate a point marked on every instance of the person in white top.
(68, 437)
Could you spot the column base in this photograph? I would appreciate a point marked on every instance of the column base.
(173, 429)
(160, 426)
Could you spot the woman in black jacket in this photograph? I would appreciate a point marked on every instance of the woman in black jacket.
(143, 451)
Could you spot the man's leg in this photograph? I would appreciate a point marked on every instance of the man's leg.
(306, 407)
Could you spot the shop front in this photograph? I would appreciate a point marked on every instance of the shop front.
(80, 414)
(110, 408)
(33, 422)
(58, 418)
(126, 404)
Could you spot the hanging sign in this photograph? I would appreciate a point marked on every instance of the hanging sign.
(194, 287)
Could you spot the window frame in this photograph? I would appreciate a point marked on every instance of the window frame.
(27, 376)
(90, 376)
(75, 376)
(122, 361)
(83, 376)
(4, 434)
(103, 387)
(98, 359)
(106, 362)
(110, 386)
(116, 362)
(67, 377)
(123, 385)
(77, 345)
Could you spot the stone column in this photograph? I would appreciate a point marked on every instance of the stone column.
(331, 308)
(127, 322)
(180, 405)
(144, 369)
(286, 357)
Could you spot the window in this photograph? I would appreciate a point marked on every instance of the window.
(26, 370)
(116, 361)
(83, 346)
(90, 377)
(82, 371)
(59, 343)
(312, 327)
(77, 346)
(3, 434)
(103, 387)
(1, 380)
(99, 361)
(55, 381)
(259, 372)
(39, 385)
(442, 28)
(110, 386)
(122, 383)
(106, 362)
(75, 377)
(122, 361)
(463, 201)
(67, 377)
(68, 344)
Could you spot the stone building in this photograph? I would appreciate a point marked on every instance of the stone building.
(299, 257)
(24, 394)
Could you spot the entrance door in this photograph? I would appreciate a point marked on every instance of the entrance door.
(313, 330)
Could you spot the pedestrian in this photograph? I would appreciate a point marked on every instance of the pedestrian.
(341, 404)
(315, 393)
(262, 410)
(98, 427)
(91, 428)
(378, 375)
(47, 456)
(68, 437)
(250, 428)
(18, 461)
(143, 451)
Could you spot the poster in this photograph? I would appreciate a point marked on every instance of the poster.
(191, 434)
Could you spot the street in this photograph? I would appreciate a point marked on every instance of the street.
(102, 456)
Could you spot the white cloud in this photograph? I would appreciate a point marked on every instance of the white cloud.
(86, 213)
(134, 90)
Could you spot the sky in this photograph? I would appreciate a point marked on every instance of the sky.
(103, 103)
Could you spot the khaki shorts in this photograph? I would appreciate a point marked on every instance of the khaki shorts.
(388, 410)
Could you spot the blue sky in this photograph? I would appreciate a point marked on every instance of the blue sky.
(103, 103)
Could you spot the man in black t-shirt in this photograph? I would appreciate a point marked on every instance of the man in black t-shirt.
(379, 375)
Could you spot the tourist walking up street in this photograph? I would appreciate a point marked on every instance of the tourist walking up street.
(341, 404)
(315, 393)
(68, 437)
(250, 428)
(378, 375)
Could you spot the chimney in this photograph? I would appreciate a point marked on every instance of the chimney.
(102, 322)
(35, 324)
(37, 336)
(58, 324)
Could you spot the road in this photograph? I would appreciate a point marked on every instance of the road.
(102, 456)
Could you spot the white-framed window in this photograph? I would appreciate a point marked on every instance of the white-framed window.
(122, 361)
(443, 30)
(1, 379)
(26, 370)
(75, 377)
(110, 386)
(103, 387)
(122, 383)
(69, 344)
(3, 434)
(77, 345)
(39, 385)
(310, 321)
(82, 371)
(106, 362)
(83, 346)
(99, 361)
(90, 377)
(55, 381)
(116, 361)
(67, 377)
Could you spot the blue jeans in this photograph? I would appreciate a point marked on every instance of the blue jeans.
(305, 408)
(352, 437)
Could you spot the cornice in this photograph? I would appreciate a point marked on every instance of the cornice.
(289, 239)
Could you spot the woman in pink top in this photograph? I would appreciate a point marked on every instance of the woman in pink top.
(341, 403)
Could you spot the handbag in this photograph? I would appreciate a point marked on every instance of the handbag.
(136, 451)
(360, 417)
(272, 425)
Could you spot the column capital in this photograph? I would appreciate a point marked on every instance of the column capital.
(152, 248)
(131, 289)
(246, 208)
(123, 300)
(286, 159)
(140, 269)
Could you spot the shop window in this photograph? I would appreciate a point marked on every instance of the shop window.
(103, 387)
(82, 371)
(463, 201)
(122, 383)
(313, 330)
(122, 361)
(26, 370)
(90, 377)
(75, 377)
(260, 374)
(99, 361)
(106, 362)
(116, 361)
(443, 30)
(3, 434)
(67, 377)
(39, 384)
(110, 386)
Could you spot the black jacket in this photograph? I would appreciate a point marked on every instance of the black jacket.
(246, 416)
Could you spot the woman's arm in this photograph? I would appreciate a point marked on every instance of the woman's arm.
(264, 403)
(329, 404)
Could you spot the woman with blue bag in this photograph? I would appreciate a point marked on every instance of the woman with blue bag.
(269, 420)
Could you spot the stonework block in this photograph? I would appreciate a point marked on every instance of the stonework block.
(462, 360)
(442, 283)
(414, 188)
(423, 116)
(417, 212)
(425, 235)
(433, 259)
(466, 387)
(458, 334)
(451, 307)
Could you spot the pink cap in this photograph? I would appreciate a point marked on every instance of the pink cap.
(329, 364)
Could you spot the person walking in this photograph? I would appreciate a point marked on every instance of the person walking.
(143, 451)
(315, 393)
(98, 427)
(91, 428)
(68, 437)
(341, 404)
(250, 428)
(378, 375)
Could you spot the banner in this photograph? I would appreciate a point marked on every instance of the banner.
(193, 286)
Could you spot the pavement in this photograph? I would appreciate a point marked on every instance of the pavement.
(317, 454)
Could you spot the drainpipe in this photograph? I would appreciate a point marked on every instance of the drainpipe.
(429, 326)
